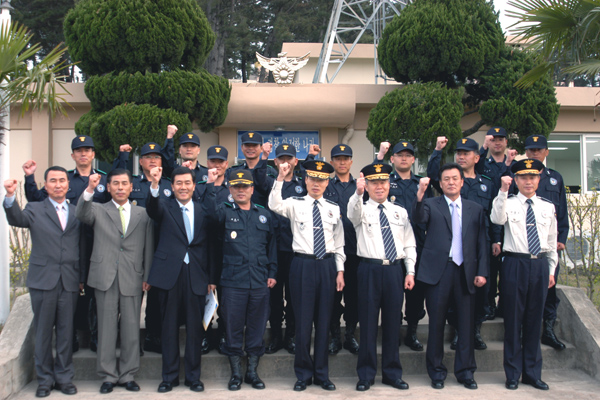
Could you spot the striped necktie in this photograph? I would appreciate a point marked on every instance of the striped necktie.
(122, 215)
(318, 235)
(532, 234)
(388, 238)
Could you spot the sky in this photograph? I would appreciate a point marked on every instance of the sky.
(502, 6)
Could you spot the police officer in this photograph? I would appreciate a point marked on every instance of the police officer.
(480, 189)
(385, 242)
(317, 269)
(404, 185)
(341, 187)
(551, 187)
(216, 158)
(530, 260)
(150, 157)
(495, 166)
(255, 155)
(83, 153)
(189, 150)
(281, 302)
(249, 269)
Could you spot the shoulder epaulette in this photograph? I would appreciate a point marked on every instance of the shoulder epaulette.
(201, 182)
(398, 204)
(297, 198)
(512, 195)
(486, 177)
(100, 172)
(166, 178)
(259, 206)
(545, 199)
(71, 170)
(332, 202)
(418, 176)
(228, 204)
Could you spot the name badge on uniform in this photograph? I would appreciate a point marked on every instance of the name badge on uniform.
(553, 182)
(101, 188)
(233, 234)
(484, 188)
(396, 215)
(330, 214)
(298, 189)
(301, 225)
(262, 219)
(167, 192)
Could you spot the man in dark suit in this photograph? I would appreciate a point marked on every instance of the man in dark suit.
(182, 272)
(54, 277)
(456, 231)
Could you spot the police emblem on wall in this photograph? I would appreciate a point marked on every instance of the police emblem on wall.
(100, 188)
(262, 219)
(484, 188)
(298, 189)
(553, 181)
(167, 192)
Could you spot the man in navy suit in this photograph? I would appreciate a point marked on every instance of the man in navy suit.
(456, 232)
(182, 273)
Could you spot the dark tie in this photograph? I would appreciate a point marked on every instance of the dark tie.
(318, 235)
(388, 238)
(532, 234)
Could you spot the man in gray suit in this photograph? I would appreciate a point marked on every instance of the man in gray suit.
(54, 277)
(119, 267)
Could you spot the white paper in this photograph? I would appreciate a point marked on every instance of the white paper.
(210, 308)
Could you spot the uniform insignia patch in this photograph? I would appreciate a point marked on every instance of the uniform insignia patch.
(167, 192)
(484, 188)
(298, 189)
(233, 234)
(396, 215)
(230, 198)
(393, 199)
(134, 202)
(204, 177)
(330, 214)
(262, 219)
(553, 182)
(100, 188)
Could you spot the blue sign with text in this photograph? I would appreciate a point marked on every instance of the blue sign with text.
(301, 140)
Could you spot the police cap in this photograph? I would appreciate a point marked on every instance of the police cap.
(341, 150)
(403, 145)
(467, 144)
(82, 141)
(528, 166)
(252, 138)
(536, 142)
(217, 153)
(497, 131)
(285, 149)
(189, 138)
(240, 177)
(376, 171)
(318, 169)
(149, 148)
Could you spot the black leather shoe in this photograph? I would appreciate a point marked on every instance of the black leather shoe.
(469, 383)
(165, 387)
(275, 345)
(132, 386)
(153, 344)
(43, 391)
(235, 383)
(66, 388)
(364, 385)
(549, 337)
(290, 344)
(437, 384)
(326, 384)
(512, 384)
(301, 385)
(351, 344)
(398, 383)
(106, 387)
(454, 342)
(205, 345)
(538, 383)
(195, 386)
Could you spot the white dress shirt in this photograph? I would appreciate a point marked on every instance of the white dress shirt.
(299, 210)
(512, 213)
(365, 218)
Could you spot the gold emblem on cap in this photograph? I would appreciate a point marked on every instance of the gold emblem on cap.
(528, 163)
(250, 135)
(285, 146)
(404, 144)
(82, 138)
(152, 146)
(535, 139)
(497, 130)
(464, 141)
(190, 135)
(342, 148)
(218, 149)
(319, 165)
(240, 174)
(377, 167)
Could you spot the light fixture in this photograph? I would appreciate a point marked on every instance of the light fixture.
(563, 141)
(558, 148)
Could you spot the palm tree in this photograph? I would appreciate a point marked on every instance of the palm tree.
(26, 80)
(564, 32)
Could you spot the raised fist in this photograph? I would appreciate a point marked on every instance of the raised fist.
(423, 183)
(29, 167)
(506, 181)
(93, 182)
(266, 150)
(487, 143)
(442, 141)
(11, 186)
(156, 174)
(510, 156)
(125, 148)
(187, 164)
(212, 175)
(171, 131)
(384, 147)
(360, 184)
(314, 149)
(284, 170)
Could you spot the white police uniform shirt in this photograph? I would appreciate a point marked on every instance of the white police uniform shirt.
(511, 211)
(365, 218)
(299, 210)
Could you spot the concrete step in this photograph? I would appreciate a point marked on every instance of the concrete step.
(280, 364)
(564, 384)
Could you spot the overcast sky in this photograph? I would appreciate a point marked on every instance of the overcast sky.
(501, 5)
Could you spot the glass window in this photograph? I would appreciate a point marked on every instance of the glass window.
(565, 157)
(592, 162)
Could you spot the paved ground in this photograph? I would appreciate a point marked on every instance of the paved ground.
(564, 385)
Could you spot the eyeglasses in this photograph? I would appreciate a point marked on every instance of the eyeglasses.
(151, 157)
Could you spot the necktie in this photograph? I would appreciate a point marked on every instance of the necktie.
(122, 215)
(457, 250)
(388, 237)
(188, 231)
(61, 217)
(532, 234)
(318, 235)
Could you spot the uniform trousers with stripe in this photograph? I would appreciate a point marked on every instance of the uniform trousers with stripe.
(313, 287)
(524, 286)
(382, 289)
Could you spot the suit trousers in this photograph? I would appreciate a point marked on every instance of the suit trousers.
(381, 288)
(524, 285)
(53, 308)
(350, 294)
(552, 299)
(312, 286)
(451, 287)
(172, 301)
(249, 308)
(414, 308)
(152, 317)
(280, 299)
(118, 315)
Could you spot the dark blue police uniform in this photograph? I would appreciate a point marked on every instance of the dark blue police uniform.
(170, 161)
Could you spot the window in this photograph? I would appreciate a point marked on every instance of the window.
(565, 157)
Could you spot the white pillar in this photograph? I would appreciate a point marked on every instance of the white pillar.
(5, 18)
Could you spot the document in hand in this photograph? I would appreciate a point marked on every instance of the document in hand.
(210, 308)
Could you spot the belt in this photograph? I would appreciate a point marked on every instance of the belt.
(381, 262)
(526, 255)
(313, 257)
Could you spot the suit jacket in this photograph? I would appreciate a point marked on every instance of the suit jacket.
(173, 244)
(129, 255)
(435, 214)
(54, 252)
